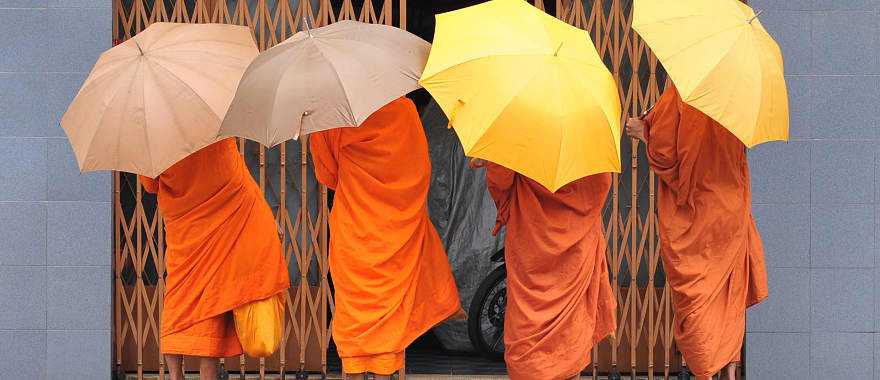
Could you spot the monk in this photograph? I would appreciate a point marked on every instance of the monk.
(391, 275)
(711, 250)
(559, 298)
(222, 252)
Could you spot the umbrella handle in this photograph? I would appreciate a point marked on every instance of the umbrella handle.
(647, 111)
(451, 122)
(306, 26)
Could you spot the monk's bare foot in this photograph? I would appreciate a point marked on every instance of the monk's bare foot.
(459, 315)
(175, 368)
(731, 371)
(355, 376)
(208, 368)
(381, 377)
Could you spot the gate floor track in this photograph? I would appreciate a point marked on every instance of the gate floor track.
(408, 376)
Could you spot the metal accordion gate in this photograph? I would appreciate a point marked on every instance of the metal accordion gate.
(643, 343)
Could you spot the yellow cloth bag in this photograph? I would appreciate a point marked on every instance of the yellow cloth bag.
(259, 325)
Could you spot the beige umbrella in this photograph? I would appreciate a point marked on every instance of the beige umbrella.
(323, 78)
(157, 97)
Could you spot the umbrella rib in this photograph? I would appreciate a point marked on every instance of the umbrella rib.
(729, 101)
(510, 55)
(108, 62)
(270, 140)
(699, 41)
(104, 115)
(338, 80)
(666, 20)
(198, 41)
(514, 94)
(205, 105)
(590, 88)
(213, 53)
(181, 81)
(146, 130)
(93, 82)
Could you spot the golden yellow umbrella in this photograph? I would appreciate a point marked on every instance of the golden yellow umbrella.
(157, 97)
(722, 62)
(526, 91)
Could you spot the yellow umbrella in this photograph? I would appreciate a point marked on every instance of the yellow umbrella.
(157, 97)
(526, 91)
(722, 62)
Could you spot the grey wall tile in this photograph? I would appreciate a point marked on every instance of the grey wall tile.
(785, 232)
(25, 288)
(841, 107)
(845, 42)
(842, 300)
(22, 233)
(876, 356)
(877, 175)
(841, 235)
(792, 31)
(78, 354)
(23, 104)
(876, 299)
(62, 89)
(68, 184)
(78, 298)
(845, 5)
(841, 356)
(800, 103)
(23, 355)
(787, 309)
(79, 36)
(781, 4)
(842, 172)
(23, 3)
(23, 40)
(780, 172)
(23, 169)
(773, 356)
(79, 3)
(80, 233)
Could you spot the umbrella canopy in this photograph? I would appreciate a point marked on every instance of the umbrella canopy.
(323, 78)
(158, 97)
(722, 62)
(526, 91)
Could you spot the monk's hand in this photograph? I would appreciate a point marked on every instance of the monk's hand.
(635, 128)
(476, 163)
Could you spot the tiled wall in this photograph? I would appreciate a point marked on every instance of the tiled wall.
(55, 226)
(817, 198)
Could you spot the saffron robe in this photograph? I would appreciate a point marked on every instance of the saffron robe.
(390, 272)
(559, 298)
(711, 250)
(222, 249)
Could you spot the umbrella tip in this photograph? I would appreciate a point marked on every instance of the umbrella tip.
(140, 51)
(306, 26)
(758, 13)
(556, 53)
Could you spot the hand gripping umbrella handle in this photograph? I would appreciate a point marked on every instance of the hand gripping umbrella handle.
(647, 111)
(306, 26)
(454, 112)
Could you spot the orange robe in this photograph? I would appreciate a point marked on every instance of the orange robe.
(222, 250)
(391, 275)
(559, 298)
(711, 250)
